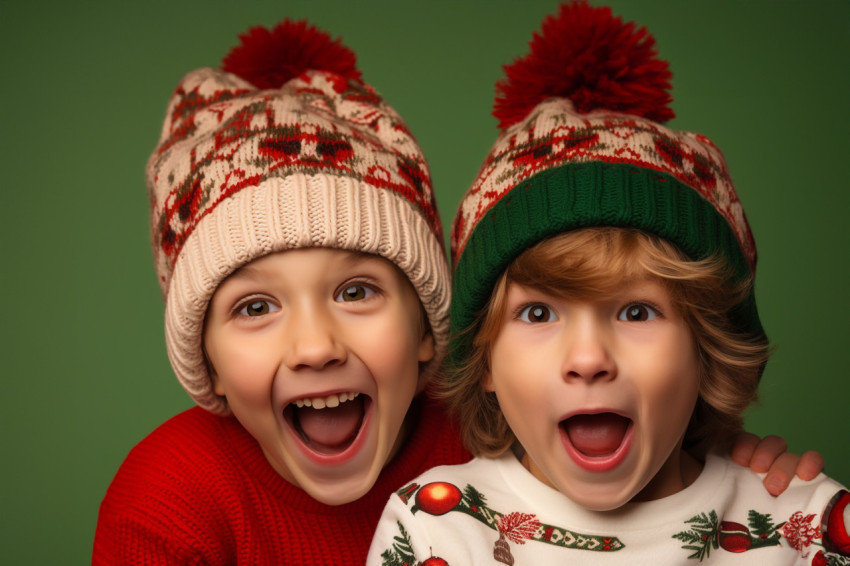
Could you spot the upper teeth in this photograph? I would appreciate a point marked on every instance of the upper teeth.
(329, 401)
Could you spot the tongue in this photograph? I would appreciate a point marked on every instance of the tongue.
(331, 429)
(597, 435)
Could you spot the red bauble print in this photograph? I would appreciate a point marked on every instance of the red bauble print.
(437, 498)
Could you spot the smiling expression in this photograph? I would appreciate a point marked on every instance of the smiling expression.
(599, 392)
(317, 352)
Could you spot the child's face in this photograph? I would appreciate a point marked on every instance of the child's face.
(317, 352)
(599, 393)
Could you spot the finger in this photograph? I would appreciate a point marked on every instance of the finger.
(743, 448)
(769, 449)
(811, 464)
(780, 473)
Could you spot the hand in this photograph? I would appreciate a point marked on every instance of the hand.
(769, 454)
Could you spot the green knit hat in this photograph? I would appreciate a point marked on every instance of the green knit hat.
(582, 145)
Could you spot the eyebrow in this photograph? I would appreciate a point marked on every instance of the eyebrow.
(247, 271)
(351, 259)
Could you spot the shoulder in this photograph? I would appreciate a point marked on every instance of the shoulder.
(192, 463)
(194, 437)
(476, 468)
(178, 455)
(448, 482)
(169, 491)
(442, 512)
(818, 491)
(812, 513)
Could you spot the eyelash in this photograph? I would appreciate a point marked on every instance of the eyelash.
(240, 310)
(656, 312)
(243, 306)
(370, 289)
(521, 313)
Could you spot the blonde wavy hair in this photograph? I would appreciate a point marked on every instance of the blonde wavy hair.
(591, 263)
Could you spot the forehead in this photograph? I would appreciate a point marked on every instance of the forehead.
(332, 259)
(619, 286)
(595, 261)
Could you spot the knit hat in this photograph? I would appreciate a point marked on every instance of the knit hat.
(582, 145)
(284, 148)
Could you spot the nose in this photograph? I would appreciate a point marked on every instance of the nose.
(313, 340)
(587, 353)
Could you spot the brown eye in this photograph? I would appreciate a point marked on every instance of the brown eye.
(354, 293)
(257, 308)
(637, 312)
(537, 313)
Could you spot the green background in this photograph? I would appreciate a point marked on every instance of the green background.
(84, 89)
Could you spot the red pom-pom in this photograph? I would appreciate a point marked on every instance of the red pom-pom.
(589, 56)
(270, 58)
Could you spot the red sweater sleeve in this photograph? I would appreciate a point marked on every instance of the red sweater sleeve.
(155, 511)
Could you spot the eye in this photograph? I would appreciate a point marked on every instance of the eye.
(258, 308)
(637, 312)
(536, 312)
(354, 293)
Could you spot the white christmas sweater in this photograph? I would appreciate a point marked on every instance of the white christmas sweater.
(493, 511)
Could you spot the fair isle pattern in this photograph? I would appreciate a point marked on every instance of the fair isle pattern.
(222, 135)
(239, 173)
(554, 135)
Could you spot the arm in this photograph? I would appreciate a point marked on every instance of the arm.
(158, 509)
(769, 454)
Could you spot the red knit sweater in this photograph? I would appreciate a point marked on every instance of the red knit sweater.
(198, 490)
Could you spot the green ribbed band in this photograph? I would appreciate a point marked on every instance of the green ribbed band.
(582, 195)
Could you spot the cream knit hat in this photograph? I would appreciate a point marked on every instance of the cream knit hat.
(285, 148)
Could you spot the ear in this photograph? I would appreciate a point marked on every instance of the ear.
(487, 382)
(218, 388)
(427, 348)
(427, 351)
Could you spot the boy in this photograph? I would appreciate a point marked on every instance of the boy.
(300, 253)
(606, 337)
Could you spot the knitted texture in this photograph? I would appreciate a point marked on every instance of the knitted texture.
(240, 173)
(554, 135)
(198, 490)
(558, 169)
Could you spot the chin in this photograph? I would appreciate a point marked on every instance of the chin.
(601, 503)
(340, 492)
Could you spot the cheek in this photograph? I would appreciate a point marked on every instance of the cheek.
(517, 365)
(665, 375)
(688, 369)
(678, 392)
(520, 383)
(242, 373)
(391, 351)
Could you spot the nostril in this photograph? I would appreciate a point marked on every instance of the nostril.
(318, 363)
(589, 375)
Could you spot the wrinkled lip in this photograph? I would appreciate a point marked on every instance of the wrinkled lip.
(336, 443)
(597, 441)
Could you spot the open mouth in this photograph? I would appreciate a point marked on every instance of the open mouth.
(328, 425)
(596, 435)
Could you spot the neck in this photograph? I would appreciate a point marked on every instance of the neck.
(677, 473)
